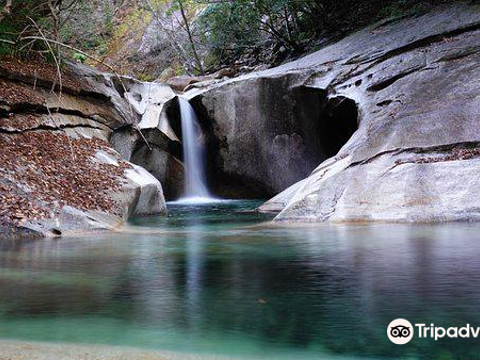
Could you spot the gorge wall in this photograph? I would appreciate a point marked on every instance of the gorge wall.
(380, 126)
(415, 156)
(267, 133)
(59, 173)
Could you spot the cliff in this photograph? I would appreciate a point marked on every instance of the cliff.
(59, 173)
(390, 112)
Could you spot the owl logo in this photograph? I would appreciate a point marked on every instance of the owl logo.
(400, 331)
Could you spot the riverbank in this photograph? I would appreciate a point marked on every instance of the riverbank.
(22, 350)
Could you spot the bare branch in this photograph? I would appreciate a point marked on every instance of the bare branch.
(57, 63)
(8, 41)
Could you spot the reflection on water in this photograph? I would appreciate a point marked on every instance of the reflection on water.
(212, 282)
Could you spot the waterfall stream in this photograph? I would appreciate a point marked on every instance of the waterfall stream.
(193, 156)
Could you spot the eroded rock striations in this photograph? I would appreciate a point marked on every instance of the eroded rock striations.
(415, 83)
(58, 171)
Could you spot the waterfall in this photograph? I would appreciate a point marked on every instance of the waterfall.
(193, 155)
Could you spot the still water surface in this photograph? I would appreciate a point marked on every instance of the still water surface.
(215, 279)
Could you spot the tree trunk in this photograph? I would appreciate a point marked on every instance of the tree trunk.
(190, 37)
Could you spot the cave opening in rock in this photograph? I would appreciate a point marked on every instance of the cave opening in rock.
(284, 140)
(338, 122)
(315, 127)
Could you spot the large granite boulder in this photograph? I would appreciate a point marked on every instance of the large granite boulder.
(263, 133)
(415, 155)
(415, 82)
(148, 139)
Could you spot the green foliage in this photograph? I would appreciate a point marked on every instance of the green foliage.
(90, 27)
(145, 77)
(180, 71)
(24, 14)
(398, 8)
(230, 28)
(193, 35)
(6, 48)
(79, 57)
(394, 9)
(176, 5)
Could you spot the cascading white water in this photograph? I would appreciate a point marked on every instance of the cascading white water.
(193, 156)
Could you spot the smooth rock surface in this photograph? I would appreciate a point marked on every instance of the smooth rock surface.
(414, 157)
(150, 197)
(262, 133)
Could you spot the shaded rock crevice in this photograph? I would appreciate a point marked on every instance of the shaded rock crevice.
(29, 109)
(391, 80)
(448, 152)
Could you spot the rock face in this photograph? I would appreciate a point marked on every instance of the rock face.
(152, 143)
(58, 172)
(266, 132)
(147, 139)
(155, 152)
(391, 114)
(415, 156)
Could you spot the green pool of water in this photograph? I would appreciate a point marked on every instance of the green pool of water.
(216, 279)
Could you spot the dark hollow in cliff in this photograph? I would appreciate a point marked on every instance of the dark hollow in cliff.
(172, 109)
(282, 133)
(338, 122)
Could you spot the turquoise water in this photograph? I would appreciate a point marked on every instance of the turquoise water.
(218, 280)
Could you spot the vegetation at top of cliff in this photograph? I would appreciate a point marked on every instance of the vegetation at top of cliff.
(19, 20)
(234, 27)
(47, 29)
(152, 38)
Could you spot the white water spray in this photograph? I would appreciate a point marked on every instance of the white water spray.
(193, 156)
